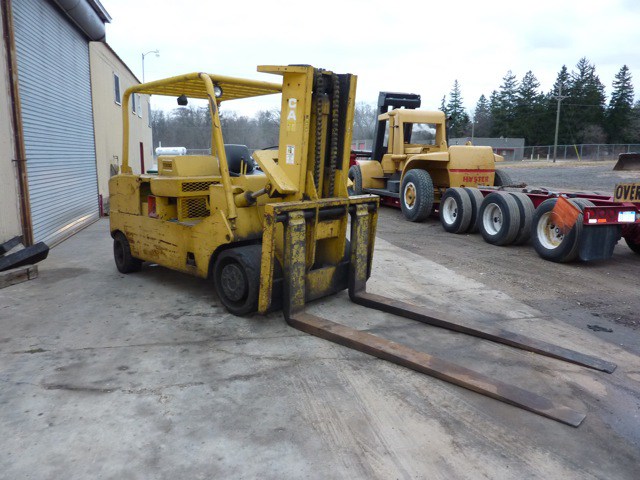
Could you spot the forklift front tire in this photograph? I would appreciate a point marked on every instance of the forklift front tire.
(416, 196)
(125, 262)
(236, 274)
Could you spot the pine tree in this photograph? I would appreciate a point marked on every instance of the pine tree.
(482, 118)
(529, 110)
(620, 111)
(503, 107)
(586, 106)
(459, 119)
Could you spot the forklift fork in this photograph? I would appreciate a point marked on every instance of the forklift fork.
(359, 266)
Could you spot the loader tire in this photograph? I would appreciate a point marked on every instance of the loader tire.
(455, 210)
(355, 175)
(502, 179)
(499, 219)
(125, 262)
(416, 196)
(548, 241)
(526, 208)
(476, 198)
(236, 275)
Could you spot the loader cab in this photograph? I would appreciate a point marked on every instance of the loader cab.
(416, 131)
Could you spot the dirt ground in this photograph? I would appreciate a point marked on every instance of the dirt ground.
(603, 294)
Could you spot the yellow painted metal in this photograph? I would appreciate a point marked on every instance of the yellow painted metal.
(372, 174)
(627, 192)
(455, 166)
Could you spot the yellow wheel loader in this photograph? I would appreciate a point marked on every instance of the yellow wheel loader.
(275, 235)
(411, 165)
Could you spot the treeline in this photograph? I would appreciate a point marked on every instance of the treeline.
(190, 127)
(518, 108)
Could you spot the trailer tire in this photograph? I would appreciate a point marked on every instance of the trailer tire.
(236, 275)
(548, 241)
(502, 179)
(455, 210)
(476, 198)
(499, 219)
(525, 205)
(125, 262)
(416, 196)
(355, 175)
(635, 246)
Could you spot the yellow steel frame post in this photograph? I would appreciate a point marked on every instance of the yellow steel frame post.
(361, 249)
(217, 142)
(295, 265)
(125, 168)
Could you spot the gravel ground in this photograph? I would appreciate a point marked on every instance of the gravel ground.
(591, 176)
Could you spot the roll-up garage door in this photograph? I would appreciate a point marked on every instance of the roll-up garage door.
(57, 120)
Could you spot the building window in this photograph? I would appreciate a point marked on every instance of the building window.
(149, 111)
(133, 102)
(116, 87)
(139, 105)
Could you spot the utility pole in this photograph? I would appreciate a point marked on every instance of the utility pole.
(559, 98)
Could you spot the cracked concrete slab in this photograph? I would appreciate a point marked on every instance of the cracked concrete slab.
(104, 375)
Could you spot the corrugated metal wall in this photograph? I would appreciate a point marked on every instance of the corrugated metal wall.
(57, 118)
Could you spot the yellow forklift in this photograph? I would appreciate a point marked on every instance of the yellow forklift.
(270, 227)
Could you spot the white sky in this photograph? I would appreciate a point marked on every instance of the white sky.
(405, 46)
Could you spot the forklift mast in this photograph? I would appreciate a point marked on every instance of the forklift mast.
(386, 100)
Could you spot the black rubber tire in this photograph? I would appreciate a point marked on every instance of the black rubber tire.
(525, 205)
(423, 202)
(633, 245)
(502, 179)
(125, 262)
(499, 219)
(355, 175)
(455, 210)
(236, 275)
(476, 198)
(566, 249)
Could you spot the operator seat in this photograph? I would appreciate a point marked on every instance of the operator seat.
(236, 154)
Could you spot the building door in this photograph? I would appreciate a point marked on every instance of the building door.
(57, 120)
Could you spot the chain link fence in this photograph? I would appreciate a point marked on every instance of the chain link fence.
(586, 151)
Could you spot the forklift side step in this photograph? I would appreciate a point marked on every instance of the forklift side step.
(433, 366)
(505, 337)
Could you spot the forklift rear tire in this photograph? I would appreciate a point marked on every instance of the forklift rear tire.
(236, 275)
(499, 219)
(355, 175)
(125, 262)
(416, 197)
(455, 210)
(502, 179)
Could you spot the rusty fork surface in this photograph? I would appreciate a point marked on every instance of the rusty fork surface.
(359, 269)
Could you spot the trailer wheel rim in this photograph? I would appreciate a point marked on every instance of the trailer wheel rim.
(492, 219)
(410, 195)
(233, 282)
(449, 210)
(548, 233)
